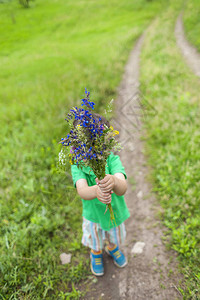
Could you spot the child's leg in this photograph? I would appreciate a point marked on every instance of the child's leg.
(116, 237)
(96, 252)
(111, 245)
(92, 238)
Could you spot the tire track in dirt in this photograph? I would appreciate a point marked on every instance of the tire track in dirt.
(147, 274)
(189, 52)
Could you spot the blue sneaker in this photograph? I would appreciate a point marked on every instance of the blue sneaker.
(96, 263)
(118, 257)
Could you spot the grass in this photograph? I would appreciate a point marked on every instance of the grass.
(191, 22)
(49, 54)
(172, 141)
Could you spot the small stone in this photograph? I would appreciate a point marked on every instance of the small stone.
(102, 294)
(140, 194)
(131, 146)
(138, 248)
(113, 276)
(65, 258)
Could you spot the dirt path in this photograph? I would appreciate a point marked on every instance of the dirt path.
(189, 52)
(152, 273)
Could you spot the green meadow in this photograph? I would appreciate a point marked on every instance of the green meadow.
(172, 137)
(48, 54)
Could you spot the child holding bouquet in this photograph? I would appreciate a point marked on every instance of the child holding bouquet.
(100, 180)
(97, 225)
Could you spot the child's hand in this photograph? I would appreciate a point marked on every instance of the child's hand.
(103, 197)
(107, 184)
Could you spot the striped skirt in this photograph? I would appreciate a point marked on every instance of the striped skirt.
(94, 236)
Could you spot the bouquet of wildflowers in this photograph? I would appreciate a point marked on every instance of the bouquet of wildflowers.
(90, 138)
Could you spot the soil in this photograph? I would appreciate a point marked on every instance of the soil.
(189, 52)
(152, 274)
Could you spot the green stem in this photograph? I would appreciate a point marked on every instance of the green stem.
(112, 217)
(100, 176)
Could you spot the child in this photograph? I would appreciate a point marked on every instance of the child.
(97, 225)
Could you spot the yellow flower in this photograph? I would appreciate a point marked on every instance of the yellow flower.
(116, 132)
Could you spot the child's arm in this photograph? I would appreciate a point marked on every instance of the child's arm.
(116, 182)
(90, 192)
